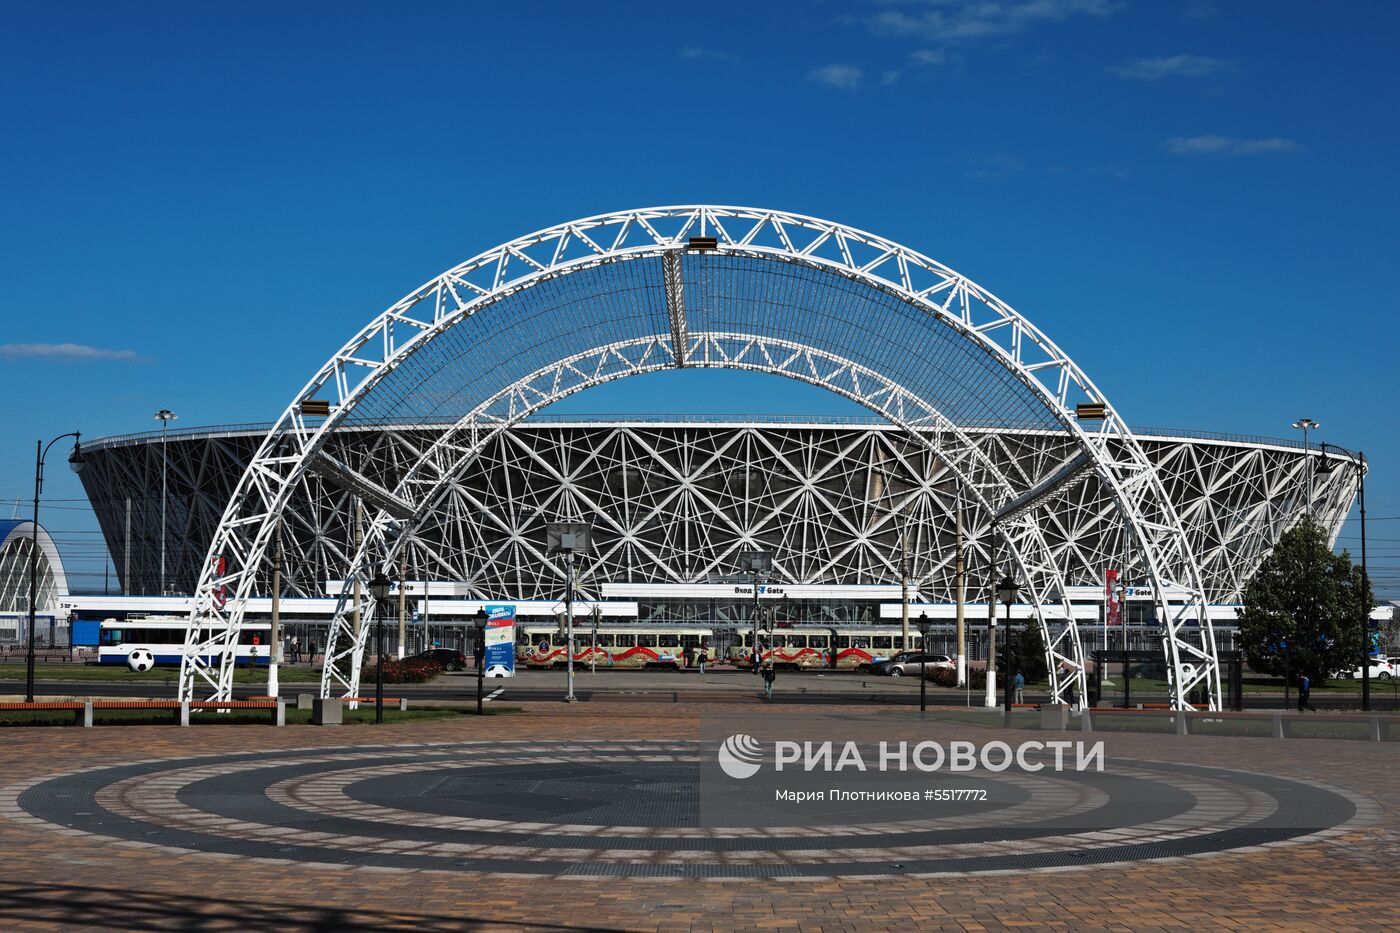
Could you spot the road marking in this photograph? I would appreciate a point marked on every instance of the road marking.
(493, 694)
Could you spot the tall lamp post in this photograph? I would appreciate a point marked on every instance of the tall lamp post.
(755, 563)
(75, 460)
(1358, 460)
(923, 674)
(568, 538)
(379, 588)
(1306, 425)
(1006, 592)
(164, 416)
(480, 652)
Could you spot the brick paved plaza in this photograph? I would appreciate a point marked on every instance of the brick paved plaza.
(61, 878)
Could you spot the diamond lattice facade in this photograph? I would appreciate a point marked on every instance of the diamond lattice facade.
(674, 501)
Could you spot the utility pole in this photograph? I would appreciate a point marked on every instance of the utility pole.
(568, 538)
(569, 610)
(904, 589)
(403, 586)
(274, 648)
(991, 698)
(164, 416)
(126, 553)
(359, 538)
(961, 587)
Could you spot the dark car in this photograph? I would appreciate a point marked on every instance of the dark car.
(449, 659)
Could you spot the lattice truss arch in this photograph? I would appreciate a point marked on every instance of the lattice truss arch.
(937, 294)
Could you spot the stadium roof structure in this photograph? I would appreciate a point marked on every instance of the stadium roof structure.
(17, 539)
(532, 321)
(833, 500)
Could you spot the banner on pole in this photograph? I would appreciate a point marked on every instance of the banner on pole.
(500, 640)
(1113, 609)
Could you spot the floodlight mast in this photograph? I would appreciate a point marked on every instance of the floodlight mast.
(567, 538)
(756, 562)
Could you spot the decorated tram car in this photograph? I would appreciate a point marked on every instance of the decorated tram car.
(615, 646)
(842, 647)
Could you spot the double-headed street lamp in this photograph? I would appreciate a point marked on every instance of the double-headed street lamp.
(75, 460)
(1305, 425)
(1324, 466)
(164, 416)
(569, 538)
(379, 588)
(1006, 592)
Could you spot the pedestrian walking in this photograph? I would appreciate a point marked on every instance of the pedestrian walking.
(704, 655)
(1019, 686)
(296, 650)
(757, 659)
(479, 653)
(1305, 693)
(770, 674)
(686, 655)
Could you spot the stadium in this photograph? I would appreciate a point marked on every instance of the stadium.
(672, 502)
(424, 449)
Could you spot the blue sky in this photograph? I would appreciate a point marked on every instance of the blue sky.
(1196, 200)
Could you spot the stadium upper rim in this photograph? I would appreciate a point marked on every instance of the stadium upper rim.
(715, 420)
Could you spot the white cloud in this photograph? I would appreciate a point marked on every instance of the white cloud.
(974, 19)
(1172, 66)
(928, 56)
(698, 53)
(65, 351)
(842, 77)
(890, 77)
(1230, 145)
(996, 165)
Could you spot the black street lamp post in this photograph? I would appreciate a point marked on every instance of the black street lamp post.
(480, 652)
(75, 460)
(1358, 460)
(1006, 592)
(379, 588)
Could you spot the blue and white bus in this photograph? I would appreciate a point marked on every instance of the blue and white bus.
(164, 638)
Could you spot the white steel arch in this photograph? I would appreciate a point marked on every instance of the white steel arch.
(941, 296)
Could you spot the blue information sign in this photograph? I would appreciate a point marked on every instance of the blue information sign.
(500, 640)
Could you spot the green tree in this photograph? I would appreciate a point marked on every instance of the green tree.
(1028, 654)
(1302, 608)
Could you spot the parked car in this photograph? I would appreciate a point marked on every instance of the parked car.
(449, 659)
(912, 662)
(1382, 668)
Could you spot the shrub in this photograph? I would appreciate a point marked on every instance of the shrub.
(408, 671)
(947, 677)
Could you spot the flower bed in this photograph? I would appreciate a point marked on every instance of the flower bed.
(407, 671)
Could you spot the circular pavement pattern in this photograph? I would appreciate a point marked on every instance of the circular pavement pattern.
(660, 809)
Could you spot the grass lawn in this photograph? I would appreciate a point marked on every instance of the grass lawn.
(160, 675)
(295, 717)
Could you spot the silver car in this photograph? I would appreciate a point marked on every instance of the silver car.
(917, 664)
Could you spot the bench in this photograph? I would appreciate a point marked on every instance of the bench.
(83, 710)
